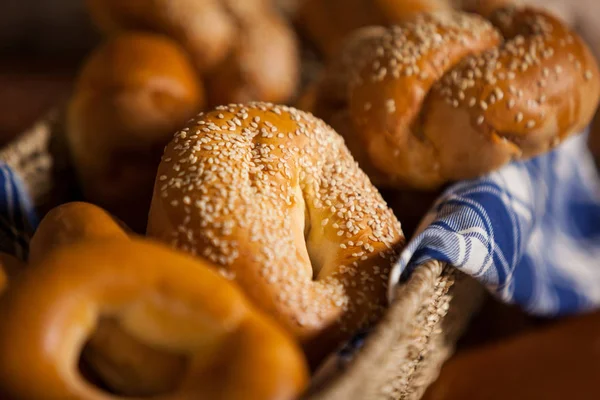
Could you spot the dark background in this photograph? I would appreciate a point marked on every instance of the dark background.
(42, 44)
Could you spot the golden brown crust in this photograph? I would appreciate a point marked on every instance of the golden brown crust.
(262, 65)
(273, 196)
(485, 8)
(133, 92)
(120, 361)
(441, 98)
(328, 22)
(245, 49)
(200, 26)
(70, 223)
(233, 351)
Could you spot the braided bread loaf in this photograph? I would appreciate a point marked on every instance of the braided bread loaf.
(141, 319)
(450, 96)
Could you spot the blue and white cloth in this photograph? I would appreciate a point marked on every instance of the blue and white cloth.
(17, 216)
(529, 232)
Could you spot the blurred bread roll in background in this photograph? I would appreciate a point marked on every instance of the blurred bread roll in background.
(244, 49)
(327, 22)
(132, 94)
(262, 65)
(200, 26)
(565, 9)
(70, 223)
(449, 96)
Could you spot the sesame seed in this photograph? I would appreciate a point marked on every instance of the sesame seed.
(519, 117)
(390, 106)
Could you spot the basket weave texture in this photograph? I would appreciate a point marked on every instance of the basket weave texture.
(400, 358)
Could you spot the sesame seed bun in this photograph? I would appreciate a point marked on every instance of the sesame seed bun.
(273, 197)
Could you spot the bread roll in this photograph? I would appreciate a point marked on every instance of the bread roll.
(273, 197)
(328, 22)
(569, 12)
(201, 27)
(132, 94)
(164, 300)
(451, 96)
(262, 65)
(70, 223)
(484, 8)
(243, 49)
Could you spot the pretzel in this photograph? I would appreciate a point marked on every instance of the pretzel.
(164, 299)
(444, 97)
(71, 223)
(111, 355)
(273, 196)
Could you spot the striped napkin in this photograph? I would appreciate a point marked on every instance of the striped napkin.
(529, 232)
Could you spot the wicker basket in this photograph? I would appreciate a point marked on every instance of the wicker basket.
(401, 356)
